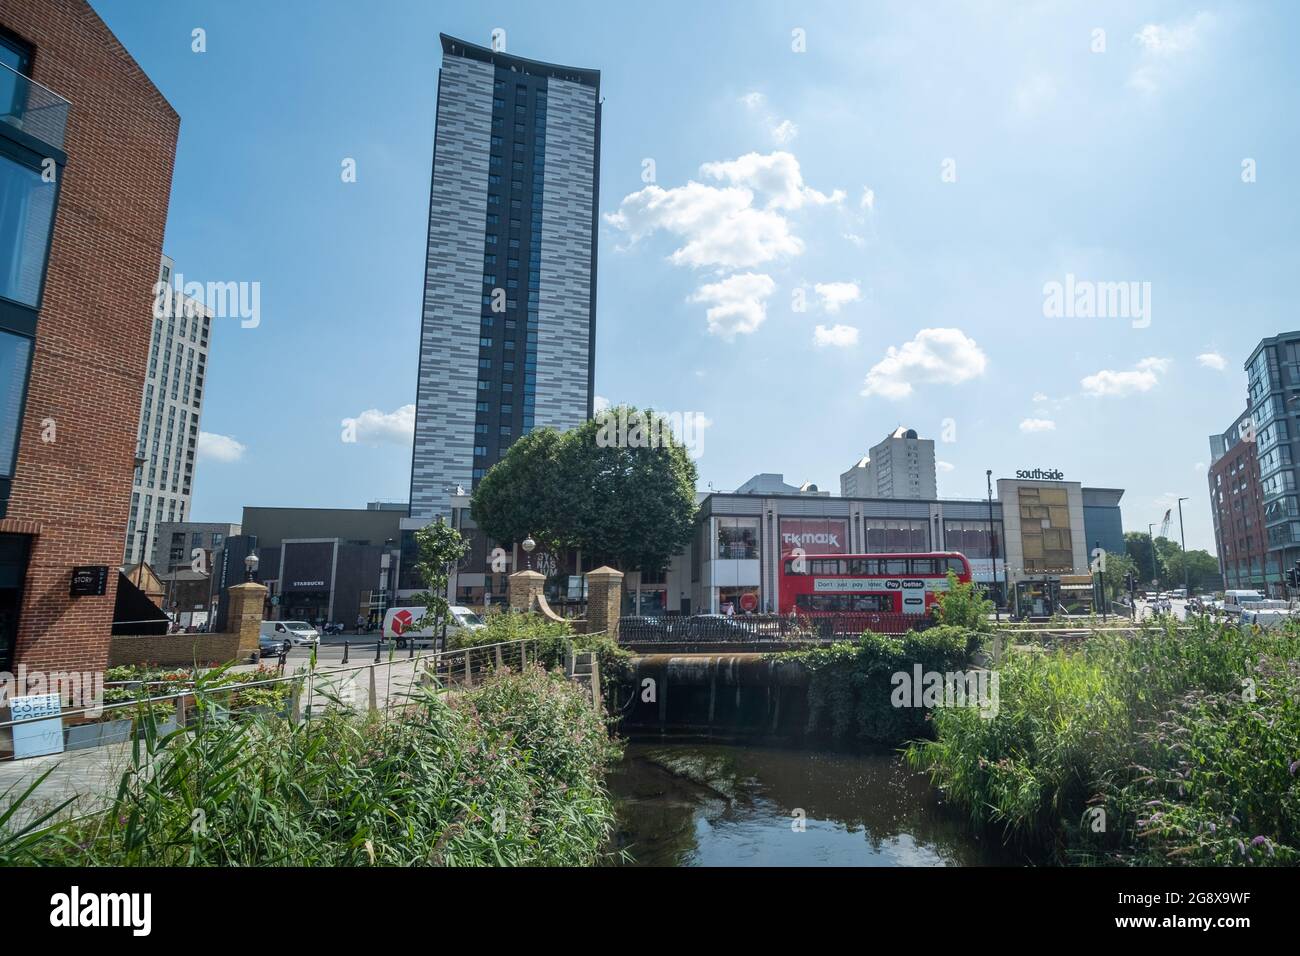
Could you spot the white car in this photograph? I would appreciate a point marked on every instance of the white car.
(297, 633)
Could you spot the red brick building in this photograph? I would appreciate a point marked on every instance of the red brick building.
(1237, 500)
(87, 145)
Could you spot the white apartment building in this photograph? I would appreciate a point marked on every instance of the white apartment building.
(169, 415)
(900, 466)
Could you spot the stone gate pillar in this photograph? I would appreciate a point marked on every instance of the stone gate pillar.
(604, 601)
(245, 617)
(524, 589)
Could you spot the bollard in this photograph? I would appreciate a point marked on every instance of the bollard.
(345, 652)
(411, 646)
(378, 644)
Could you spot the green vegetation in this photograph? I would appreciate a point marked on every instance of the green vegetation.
(963, 605)
(554, 639)
(440, 546)
(620, 486)
(1167, 746)
(850, 687)
(509, 773)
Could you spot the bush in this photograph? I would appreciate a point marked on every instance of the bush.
(850, 684)
(1153, 730)
(963, 605)
(509, 773)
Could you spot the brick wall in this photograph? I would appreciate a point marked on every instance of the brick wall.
(92, 340)
(173, 650)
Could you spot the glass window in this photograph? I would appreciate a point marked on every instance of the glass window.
(26, 211)
(737, 538)
(15, 354)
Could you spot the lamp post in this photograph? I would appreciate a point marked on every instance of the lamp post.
(528, 544)
(250, 567)
(1155, 570)
(1187, 589)
(993, 546)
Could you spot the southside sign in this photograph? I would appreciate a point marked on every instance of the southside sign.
(1043, 474)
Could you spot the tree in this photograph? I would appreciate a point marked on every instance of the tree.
(440, 546)
(963, 605)
(620, 486)
(1118, 567)
(1137, 544)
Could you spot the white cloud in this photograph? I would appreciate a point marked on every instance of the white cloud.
(754, 100)
(1034, 94)
(933, 356)
(784, 131)
(868, 200)
(774, 176)
(737, 304)
(945, 466)
(1030, 425)
(1039, 397)
(600, 404)
(835, 295)
(1199, 466)
(720, 226)
(374, 427)
(855, 239)
(839, 336)
(1143, 377)
(1163, 46)
(222, 448)
(1212, 360)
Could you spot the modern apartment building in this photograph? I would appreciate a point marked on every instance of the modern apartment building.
(176, 543)
(1273, 383)
(169, 416)
(87, 145)
(1237, 503)
(507, 340)
(900, 466)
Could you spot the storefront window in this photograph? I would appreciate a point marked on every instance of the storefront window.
(743, 600)
(971, 538)
(15, 352)
(737, 538)
(896, 535)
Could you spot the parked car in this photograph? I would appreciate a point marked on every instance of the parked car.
(297, 633)
(272, 646)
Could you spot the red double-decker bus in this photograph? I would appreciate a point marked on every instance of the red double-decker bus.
(906, 584)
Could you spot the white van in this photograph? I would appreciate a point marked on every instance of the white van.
(296, 633)
(1235, 601)
(399, 622)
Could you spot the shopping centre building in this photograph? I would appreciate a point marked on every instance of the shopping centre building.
(1044, 529)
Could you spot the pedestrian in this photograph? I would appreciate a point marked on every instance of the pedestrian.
(361, 622)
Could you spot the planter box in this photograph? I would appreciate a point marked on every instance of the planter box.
(85, 736)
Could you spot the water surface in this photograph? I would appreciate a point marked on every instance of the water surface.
(688, 804)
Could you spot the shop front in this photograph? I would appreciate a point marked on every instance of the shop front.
(306, 580)
(13, 570)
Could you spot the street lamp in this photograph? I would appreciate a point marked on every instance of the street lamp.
(250, 567)
(993, 550)
(1155, 570)
(1187, 590)
(528, 544)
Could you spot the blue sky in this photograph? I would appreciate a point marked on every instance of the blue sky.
(930, 167)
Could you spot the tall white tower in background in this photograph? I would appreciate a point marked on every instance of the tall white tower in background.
(900, 466)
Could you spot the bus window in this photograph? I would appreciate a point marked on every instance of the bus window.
(825, 566)
(895, 566)
(957, 566)
(857, 566)
(923, 566)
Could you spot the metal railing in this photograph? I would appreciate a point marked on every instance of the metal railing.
(764, 628)
(32, 108)
(375, 685)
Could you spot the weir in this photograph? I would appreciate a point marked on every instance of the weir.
(718, 696)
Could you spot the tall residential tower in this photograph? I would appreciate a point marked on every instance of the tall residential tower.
(169, 415)
(507, 342)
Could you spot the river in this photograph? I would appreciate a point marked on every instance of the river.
(688, 804)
